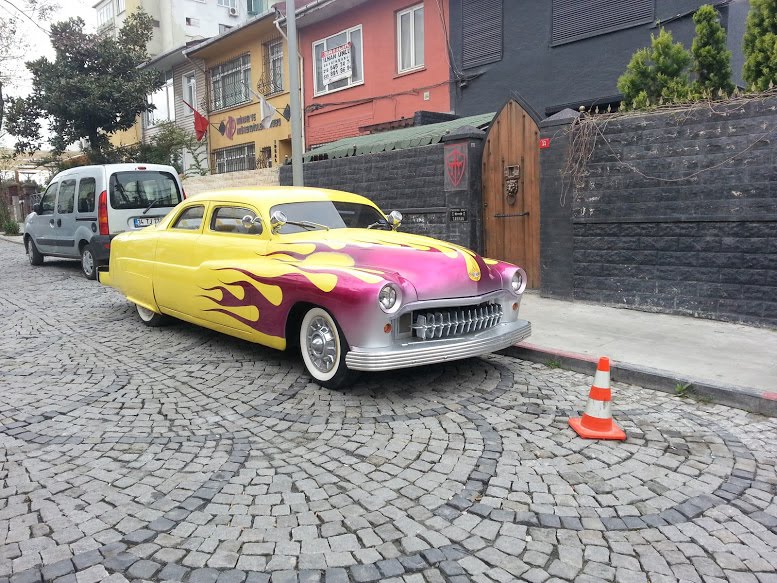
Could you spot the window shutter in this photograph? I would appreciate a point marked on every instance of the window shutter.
(481, 32)
(577, 19)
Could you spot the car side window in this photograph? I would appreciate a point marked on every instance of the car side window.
(86, 191)
(67, 193)
(47, 202)
(229, 219)
(190, 219)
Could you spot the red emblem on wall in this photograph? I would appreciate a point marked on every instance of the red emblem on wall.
(544, 143)
(455, 164)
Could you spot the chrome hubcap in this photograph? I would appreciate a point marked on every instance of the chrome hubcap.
(322, 345)
(87, 261)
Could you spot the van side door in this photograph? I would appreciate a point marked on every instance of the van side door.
(65, 218)
(41, 226)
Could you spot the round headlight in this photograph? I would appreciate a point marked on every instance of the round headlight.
(389, 298)
(518, 282)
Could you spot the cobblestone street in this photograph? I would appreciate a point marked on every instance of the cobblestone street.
(131, 453)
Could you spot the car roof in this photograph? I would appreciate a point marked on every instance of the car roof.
(267, 196)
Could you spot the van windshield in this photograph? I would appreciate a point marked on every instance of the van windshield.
(136, 189)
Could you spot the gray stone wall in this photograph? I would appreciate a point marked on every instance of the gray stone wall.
(676, 212)
(411, 181)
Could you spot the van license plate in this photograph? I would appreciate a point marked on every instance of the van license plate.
(145, 221)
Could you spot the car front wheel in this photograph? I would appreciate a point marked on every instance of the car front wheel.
(88, 262)
(150, 318)
(323, 349)
(35, 256)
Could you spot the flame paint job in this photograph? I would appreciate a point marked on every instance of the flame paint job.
(247, 285)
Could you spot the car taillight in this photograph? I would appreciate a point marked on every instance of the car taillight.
(102, 213)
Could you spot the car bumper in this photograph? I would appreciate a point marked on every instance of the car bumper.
(101, 244)
(422, 352)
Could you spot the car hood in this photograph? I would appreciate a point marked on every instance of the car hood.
(435, 269)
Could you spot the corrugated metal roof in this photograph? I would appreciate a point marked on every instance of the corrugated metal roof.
(396, 139)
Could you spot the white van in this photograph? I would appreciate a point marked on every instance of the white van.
(83, 208)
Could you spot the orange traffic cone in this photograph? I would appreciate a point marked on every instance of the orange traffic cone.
(596, 422)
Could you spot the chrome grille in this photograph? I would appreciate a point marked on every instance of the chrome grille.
(447, 322)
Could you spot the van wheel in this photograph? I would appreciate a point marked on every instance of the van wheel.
(151, 318)
(88, 262)
(323, 349)
(35, 256)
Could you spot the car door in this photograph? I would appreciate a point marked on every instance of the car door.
(228, 241)
(41, 226)
(177, 260)
(65, 219)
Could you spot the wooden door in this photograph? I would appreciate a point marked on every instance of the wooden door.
(511, 190)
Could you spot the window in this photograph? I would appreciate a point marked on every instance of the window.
(47, 202)
(86, 191)
(578, 19)
(231, 82)
(137, 189)
(189, 85)
(120, 6)
(105, 14)
(255, 7)
(235, 158)
(67, 195)
(164, 103)
(410, 38)
(190, 219)
(338, 60)
(228, 219)
(227, 3)
(481, 32)
(195, 22)
(274, 66)
(224, 28)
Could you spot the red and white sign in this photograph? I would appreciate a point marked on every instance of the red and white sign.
(544, 143)
(336, 63)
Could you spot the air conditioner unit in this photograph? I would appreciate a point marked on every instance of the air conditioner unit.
(233, 12)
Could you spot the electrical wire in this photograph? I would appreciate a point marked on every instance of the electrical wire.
(27, 16)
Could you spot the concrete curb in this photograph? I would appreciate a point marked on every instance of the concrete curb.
(18, 239)
(748, 399)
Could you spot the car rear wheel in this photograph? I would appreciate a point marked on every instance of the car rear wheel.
(323, 349)
(35, 256)
(88, 262)
(150, 318)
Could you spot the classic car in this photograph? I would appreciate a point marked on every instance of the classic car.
(323, 270)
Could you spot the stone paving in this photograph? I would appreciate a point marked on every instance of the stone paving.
(129, 453)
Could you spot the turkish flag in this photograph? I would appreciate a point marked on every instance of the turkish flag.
(200, 125)
(200, 122)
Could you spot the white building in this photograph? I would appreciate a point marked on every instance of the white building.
(178, 22)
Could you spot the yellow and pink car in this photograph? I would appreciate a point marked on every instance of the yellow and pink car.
(323, 270)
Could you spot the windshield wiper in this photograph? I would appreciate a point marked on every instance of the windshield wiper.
(308, 225)
(148, 208)
(382, 224)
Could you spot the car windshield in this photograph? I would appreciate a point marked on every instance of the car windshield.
(331, 214)
(137, 189)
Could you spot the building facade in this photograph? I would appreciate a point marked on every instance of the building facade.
(241, 67)
(553, 54)
(369, 66)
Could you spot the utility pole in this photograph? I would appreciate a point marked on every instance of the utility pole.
(295, 101)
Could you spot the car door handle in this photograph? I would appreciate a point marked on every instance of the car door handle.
(59, 222)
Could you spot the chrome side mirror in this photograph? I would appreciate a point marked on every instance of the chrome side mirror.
(277, 220)
(394, 220)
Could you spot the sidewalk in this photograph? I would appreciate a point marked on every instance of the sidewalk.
(727, 363)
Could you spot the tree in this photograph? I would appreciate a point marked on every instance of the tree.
(92, 88)
(13, 43)
(169, 145)
(711, 58)
(658, 73)
(760, 45)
